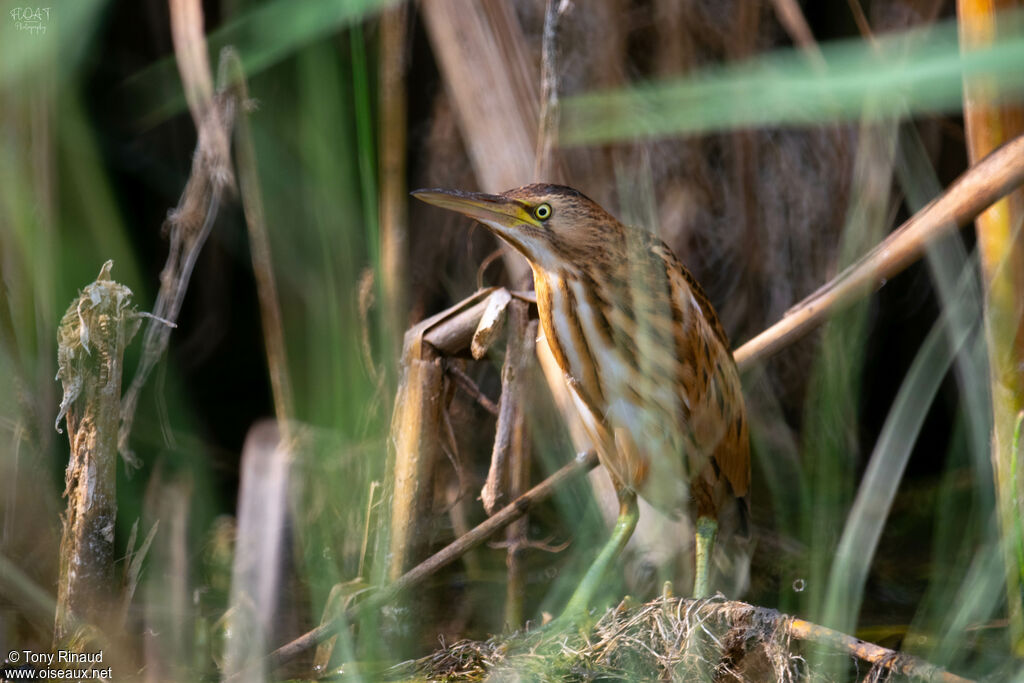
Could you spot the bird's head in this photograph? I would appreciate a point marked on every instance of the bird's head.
(553, 226)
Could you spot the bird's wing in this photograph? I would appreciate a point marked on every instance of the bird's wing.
(717, 417)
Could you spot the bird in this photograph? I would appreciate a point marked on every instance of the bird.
(644, 355)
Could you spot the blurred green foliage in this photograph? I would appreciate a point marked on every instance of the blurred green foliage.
(919, 71)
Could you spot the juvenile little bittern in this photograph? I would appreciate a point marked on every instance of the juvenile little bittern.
(643, 353)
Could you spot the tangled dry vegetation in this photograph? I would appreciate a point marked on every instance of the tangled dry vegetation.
(666, 639)
(672, 639)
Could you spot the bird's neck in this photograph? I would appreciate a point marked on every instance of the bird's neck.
(548, 286)
(559, 305)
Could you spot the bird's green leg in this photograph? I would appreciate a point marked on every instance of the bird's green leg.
(707, 529)
(624, 525)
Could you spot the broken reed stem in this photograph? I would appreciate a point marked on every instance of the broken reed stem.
(90, 348)
(981, 185)
(451, 552)
(416, 450)
(414, 442)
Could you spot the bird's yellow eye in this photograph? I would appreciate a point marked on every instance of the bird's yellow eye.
(543, 212)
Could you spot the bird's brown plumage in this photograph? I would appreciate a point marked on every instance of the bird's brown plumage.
(640, 345)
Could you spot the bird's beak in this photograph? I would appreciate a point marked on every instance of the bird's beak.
(494, 211)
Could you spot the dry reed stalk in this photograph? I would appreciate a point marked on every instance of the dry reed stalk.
(193, 63)
(91, 340)
(416, 440)
(1001, 251)
(394, 228)
(233, 76)
(481, 49)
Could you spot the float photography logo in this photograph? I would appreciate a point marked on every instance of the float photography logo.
(31, 19)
